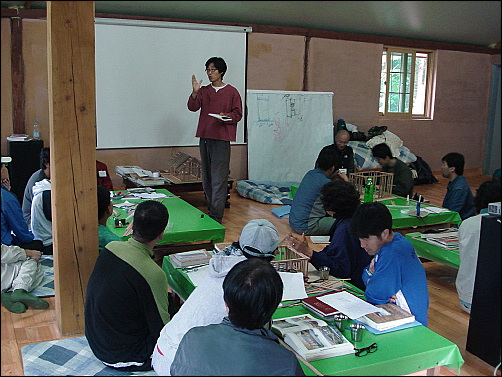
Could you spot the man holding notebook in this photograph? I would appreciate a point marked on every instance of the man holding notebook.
(395, 273)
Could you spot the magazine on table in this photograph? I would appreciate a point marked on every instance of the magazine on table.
(311, 338)
(388, 317)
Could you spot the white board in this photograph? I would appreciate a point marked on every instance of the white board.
(144, 77)
(286, 132)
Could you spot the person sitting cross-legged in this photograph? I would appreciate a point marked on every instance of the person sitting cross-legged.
(242, 344)
(21, 273)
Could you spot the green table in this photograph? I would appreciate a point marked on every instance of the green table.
(402, 220)
(185, 222)
(400, 352)
(436, 253)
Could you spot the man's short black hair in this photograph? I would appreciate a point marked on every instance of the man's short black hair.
(381, 151)
(455, 160)
(219, 64)
(150, 219)
(45, 157)
(252, 291)
(328, 158)
(103, 200)
(488, 192)
(370, 219)
(340, 197)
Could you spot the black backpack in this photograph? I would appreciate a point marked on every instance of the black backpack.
(424, 172)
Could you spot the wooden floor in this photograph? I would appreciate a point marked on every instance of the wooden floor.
(445, 316)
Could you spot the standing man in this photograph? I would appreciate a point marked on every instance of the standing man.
(458, 193)
(395, 273)
(343, 151)
(403, 178)
(215, 134)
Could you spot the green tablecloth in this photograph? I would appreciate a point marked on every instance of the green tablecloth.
(436, 253)
(400, 352)
(185, 222)
(402, 220)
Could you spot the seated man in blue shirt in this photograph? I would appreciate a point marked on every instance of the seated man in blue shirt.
(241, 345)
(395, 273)
(105, 210)
(458, 196)
(307, 213)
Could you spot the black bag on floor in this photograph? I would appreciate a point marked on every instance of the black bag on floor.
(424, 172)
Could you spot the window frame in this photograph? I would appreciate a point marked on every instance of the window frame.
(388, 50)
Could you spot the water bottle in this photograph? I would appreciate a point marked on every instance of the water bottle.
(36, 131)
(368, 190)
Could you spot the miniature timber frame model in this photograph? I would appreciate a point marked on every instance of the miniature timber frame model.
(383, 183)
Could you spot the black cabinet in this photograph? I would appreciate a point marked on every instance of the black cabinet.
(25, 161)
(483, 337)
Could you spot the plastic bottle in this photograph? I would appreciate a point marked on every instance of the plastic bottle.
(36, 131)
(368, 190)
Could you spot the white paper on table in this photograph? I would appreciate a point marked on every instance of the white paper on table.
(294, 286)
(221, 117)
(197, 275)
(153, 195)
(348, 304)
(436, 209)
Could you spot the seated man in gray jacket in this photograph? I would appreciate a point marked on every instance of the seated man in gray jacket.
(240, 345)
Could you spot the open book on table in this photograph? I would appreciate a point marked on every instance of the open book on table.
(311, 338)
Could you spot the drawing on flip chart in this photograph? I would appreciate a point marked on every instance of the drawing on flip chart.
(286, 131)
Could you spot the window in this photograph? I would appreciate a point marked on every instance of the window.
(405, 83)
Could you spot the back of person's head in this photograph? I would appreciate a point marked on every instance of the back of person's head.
(219, 64)
(45, 156)
(103, 201)
(327, 158)
(252, 291)
(455, 160)
(381, 151)
(259, 238)
(150, 219)
(370, 219)
(341, 197)
(488, 192)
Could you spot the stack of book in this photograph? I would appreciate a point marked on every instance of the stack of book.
(193, 258)
(389, 316)
(311, 338)
(18, 137)
(447, 239)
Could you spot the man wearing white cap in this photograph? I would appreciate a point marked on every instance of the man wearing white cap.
(205, 306)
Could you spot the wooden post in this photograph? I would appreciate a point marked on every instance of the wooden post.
(72, 118)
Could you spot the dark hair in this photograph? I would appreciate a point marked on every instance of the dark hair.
(455, 160)
(328, 158)
(488, 192)
(381, 151)
(370, 219)
(45, 156)
(103, 200)
(252, 291)
(219, 64)
(340, 197)
(150, 219)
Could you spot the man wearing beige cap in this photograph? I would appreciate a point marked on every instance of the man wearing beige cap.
(205, 306)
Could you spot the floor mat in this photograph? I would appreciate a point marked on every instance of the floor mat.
(67, 357)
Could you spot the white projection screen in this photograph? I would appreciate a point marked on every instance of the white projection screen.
(144, 77)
